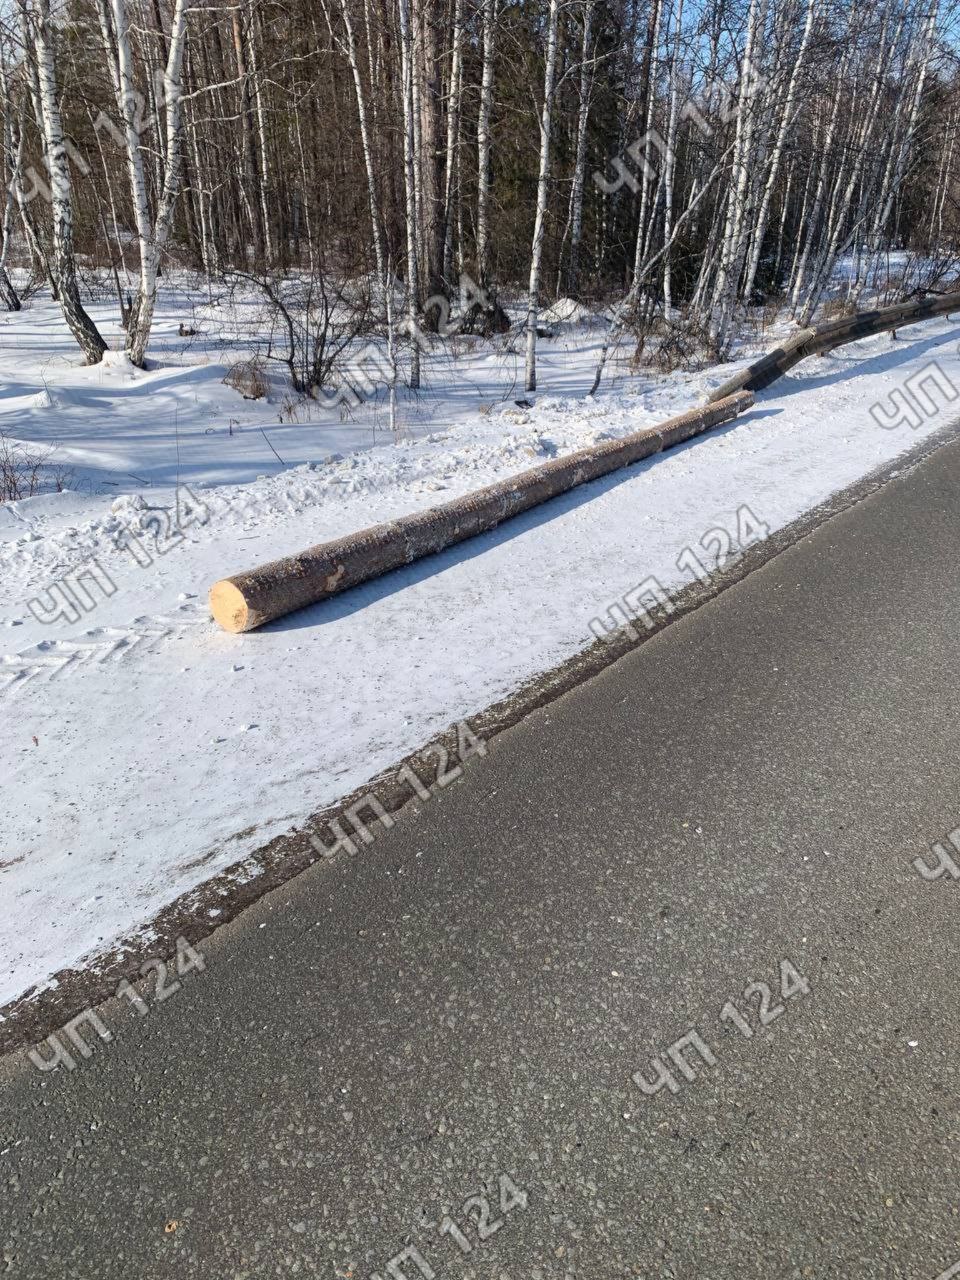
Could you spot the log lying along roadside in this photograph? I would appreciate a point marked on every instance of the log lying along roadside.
(248, 600)
(835, 333)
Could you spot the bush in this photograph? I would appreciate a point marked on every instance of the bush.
(248, 377)
(311, 323)
(680, 346)
(837, 309)
(484, 321)
(24, 472)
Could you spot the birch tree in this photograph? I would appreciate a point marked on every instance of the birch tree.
(11, 162)
(788, 114)
(39, 37)
(737, 225)
(152, 230)
(755, 146)
(543, 178)
(484, 118)
(366, 140)
(409, 174)
(452, 176)
(575, 212)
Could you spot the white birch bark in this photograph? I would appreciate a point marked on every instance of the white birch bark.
(484, 117)
(943, 183)
(152, 233)
(366, 142)
(575, 215)
(38, 253)
(625, 308)
(815, 211)
(670, 161)
(410, 186)
(414, 54)
(260, 116)
(648, 116)
(788, 117)
(451, 177)
(543, 178)
(10, 164)
(40, 33)
(736, 229)
(900, 153)
(782, 231)
(839, 214)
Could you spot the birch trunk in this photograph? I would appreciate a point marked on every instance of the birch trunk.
(38, 253)
(813, 217)
(670, 166)
(650, 96)
(409, 166)
(453, 141)
(483, 143)
(40, 29)
(787, 119)
(543, 178)
(10, 160)
(625, 308)
(736, 229)
(893, 179)
(260, 117)
(839, 215)
(152, 246)
(580, 159)
(426, 55)
(251, 184)
(366, 142)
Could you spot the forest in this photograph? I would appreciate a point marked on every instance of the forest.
(407, 166)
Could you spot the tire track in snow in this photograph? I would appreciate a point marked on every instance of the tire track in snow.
(51, 659)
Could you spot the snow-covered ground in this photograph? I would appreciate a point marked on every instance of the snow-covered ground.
(144, 751)
(116, 429)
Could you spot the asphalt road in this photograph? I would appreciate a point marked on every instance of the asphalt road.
(469, 997)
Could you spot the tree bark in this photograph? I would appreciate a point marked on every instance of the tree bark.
(249, 600)
(484, 118)
(543, 178)
(39, 29)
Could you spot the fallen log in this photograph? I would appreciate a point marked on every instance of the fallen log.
(825, 337)
(248, 600)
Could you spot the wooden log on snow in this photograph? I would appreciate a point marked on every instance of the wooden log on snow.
(248, 600)
(825, 337)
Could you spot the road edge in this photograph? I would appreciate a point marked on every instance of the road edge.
(33, 1016)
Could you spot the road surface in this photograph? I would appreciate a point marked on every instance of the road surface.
(441, 1056)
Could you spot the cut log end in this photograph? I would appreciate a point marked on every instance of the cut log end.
(229, 607)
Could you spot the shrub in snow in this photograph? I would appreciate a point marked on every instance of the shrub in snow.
(248, 377)
(25, 472)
